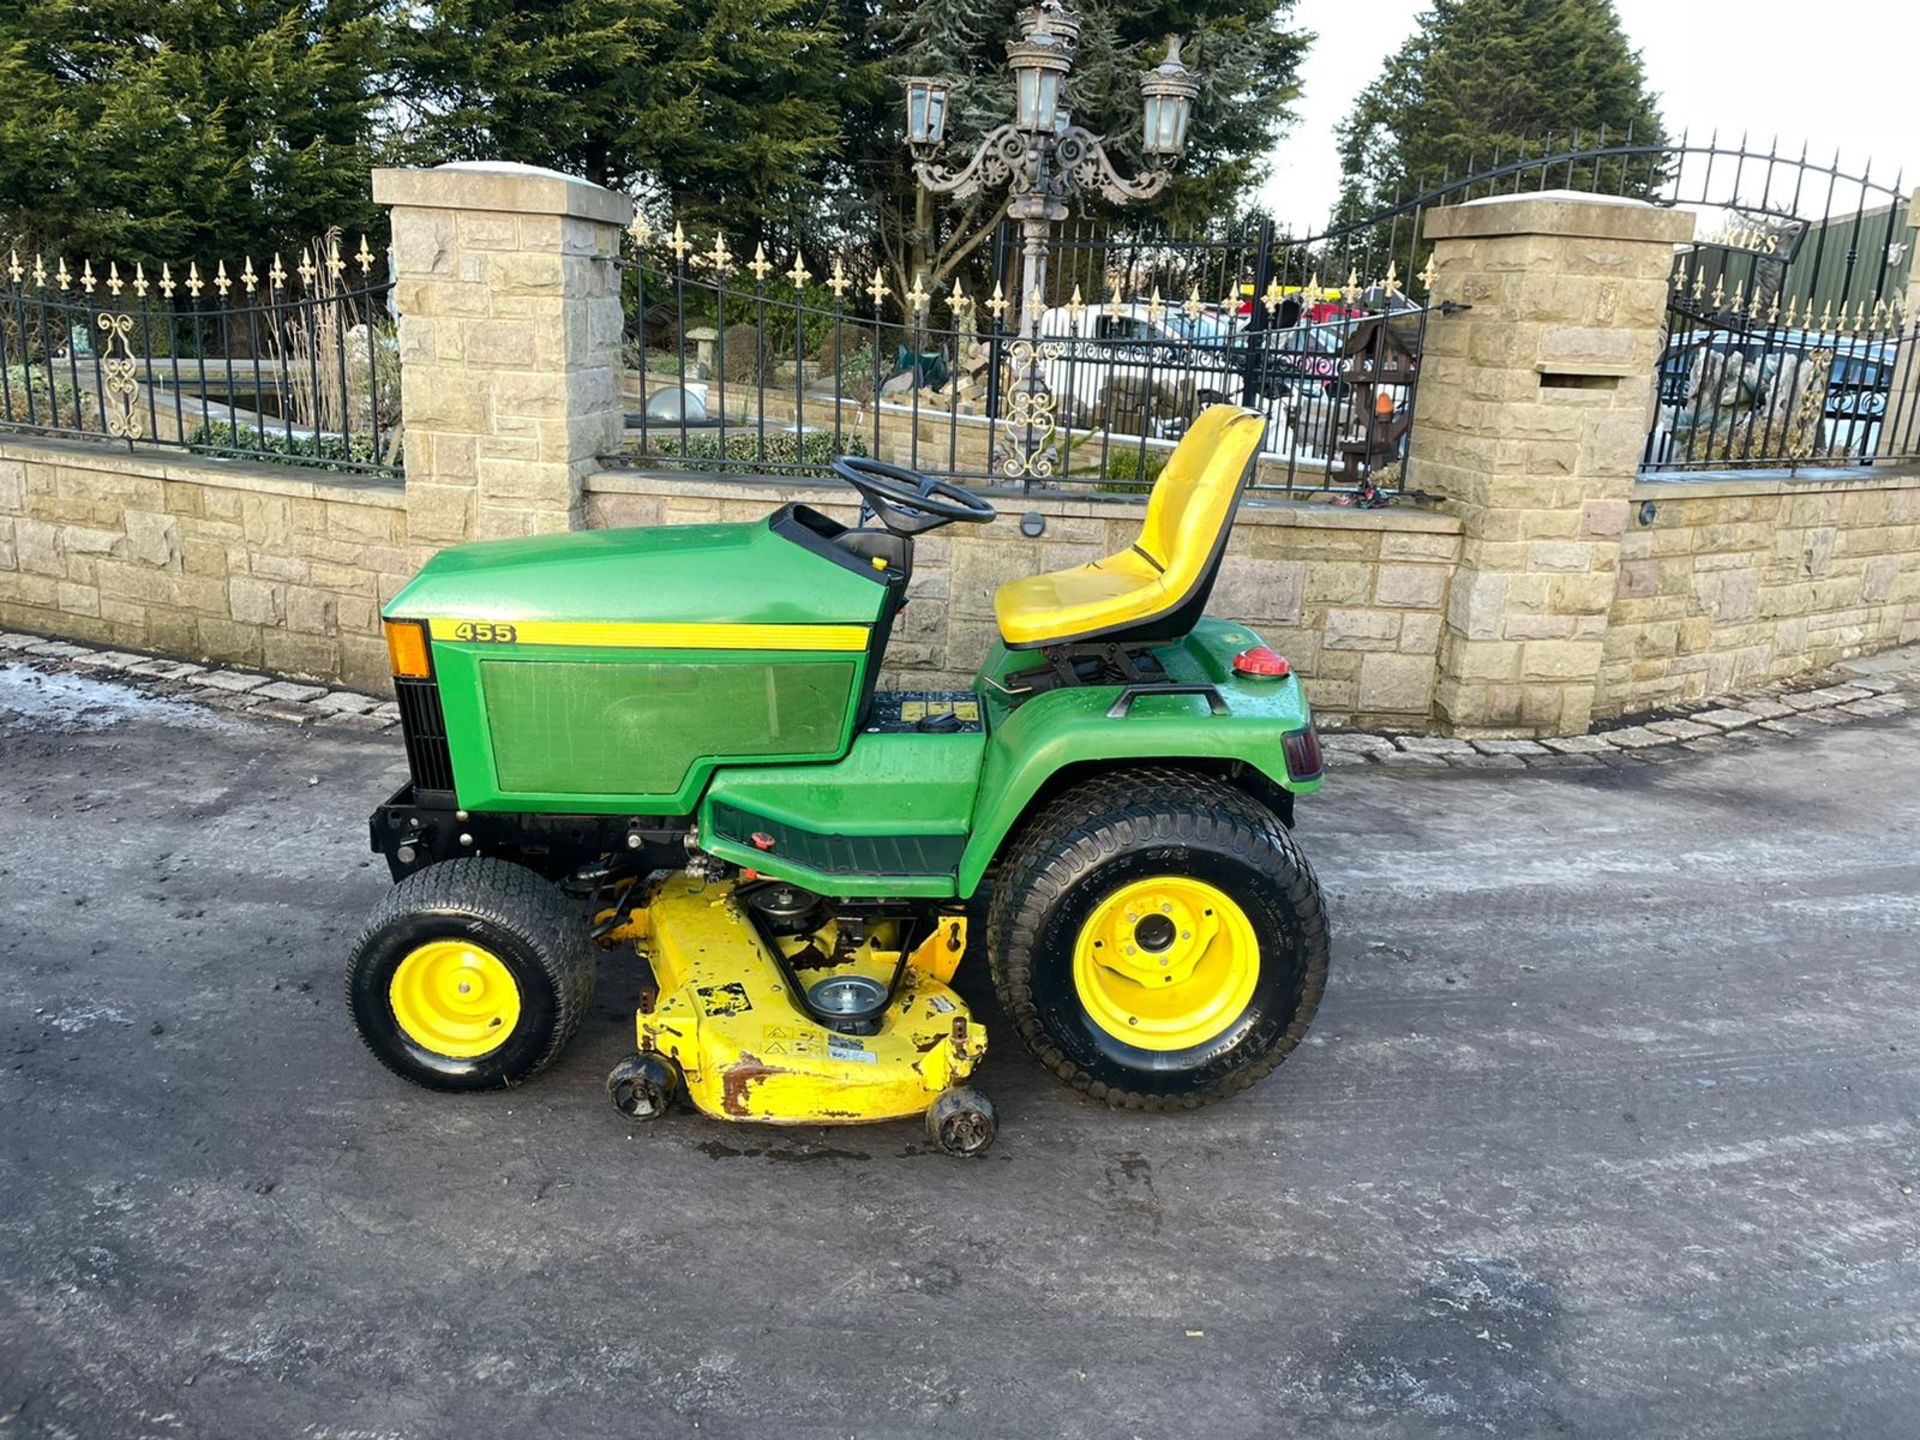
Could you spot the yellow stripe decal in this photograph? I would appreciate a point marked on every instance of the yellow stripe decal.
(626, 635)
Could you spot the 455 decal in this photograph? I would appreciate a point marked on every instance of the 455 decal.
(486, 632)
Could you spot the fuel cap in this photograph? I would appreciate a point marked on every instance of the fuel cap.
(1263, 662)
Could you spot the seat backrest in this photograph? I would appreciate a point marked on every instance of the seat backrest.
(1193, 500)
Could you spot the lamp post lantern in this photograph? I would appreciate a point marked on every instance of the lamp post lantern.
(1044, 159)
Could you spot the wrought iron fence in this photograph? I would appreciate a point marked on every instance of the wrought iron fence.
(293, 366)
(1789, 345)
(1798, 270)
(773, 368)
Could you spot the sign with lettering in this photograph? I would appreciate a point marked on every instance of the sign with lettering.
(1751, 232)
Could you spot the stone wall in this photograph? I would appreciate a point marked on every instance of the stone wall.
(259, 566)
(1736, 582)
(1354, 598)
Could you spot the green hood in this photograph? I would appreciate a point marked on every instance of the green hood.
(721, 574)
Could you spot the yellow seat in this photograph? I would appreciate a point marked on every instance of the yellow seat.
(1155, 589)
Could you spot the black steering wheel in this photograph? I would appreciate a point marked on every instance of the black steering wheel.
(909, 502)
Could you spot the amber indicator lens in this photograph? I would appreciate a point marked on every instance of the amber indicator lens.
(407, 649)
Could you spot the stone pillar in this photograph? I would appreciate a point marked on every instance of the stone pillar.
(1532, 412)
(510, 324)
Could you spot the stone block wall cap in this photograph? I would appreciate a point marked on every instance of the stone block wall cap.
(501, 187)
(1571, 213)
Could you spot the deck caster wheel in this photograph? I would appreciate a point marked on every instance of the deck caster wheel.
(961, 1122)
(642, 1086)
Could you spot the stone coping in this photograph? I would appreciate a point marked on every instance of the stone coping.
(1726, 485)
(1864, 689)
(1257, 509)
(501, 187)
(251, 475)
(1563, 213)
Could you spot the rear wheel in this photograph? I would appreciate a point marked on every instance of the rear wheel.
(1158, 939)
(470, 975)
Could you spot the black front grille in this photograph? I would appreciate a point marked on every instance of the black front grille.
(425, 729)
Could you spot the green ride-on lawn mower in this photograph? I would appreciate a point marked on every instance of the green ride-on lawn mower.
(672, 737)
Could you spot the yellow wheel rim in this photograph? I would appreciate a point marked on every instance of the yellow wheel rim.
(1166, 963)
(455, 998)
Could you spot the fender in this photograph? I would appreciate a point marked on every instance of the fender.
(1033, 742)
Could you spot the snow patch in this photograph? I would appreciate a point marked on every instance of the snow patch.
(32, 699)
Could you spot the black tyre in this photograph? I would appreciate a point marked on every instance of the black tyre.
(1158, 939)
(470, 975)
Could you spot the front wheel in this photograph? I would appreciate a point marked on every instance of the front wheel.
(470, 975)
(1158, 939)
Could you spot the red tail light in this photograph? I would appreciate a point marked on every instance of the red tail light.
(1303, 754)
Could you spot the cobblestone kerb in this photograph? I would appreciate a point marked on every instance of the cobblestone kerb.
(1869, 689)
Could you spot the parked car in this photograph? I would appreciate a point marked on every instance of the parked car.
(1159, 369)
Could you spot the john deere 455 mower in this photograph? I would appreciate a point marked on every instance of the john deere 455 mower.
(672, 737)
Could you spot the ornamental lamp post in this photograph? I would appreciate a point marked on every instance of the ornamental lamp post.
(1044, 159)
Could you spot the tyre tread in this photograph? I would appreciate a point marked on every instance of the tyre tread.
(1101, 819)
(515, 899)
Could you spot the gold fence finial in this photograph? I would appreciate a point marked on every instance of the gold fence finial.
(166, 280)
(1879, 314)
(959, 302)
(305, 269)
(1735, 306)
(1826, 315)
(1274, 296)
(641, 232)
(877, 288)
(720, 257)
(1719, 292)
(139, 279)
(364, 256)
(1113, 300)
(114, 283)
(1350, 292)
(1392, 283)
(1156, 307)
(14, 272)
(760, 265)
(220, 280)
(1859, 317)
(1076, 303)
(1773, 312)
(39, 271)
(1192, 306)
(679, 245)
(1036, 303)
(1428, 276)
(1699, 284)
(247, 277)
(1680, 273)
(194, 283)
(87, 282)
(838, 282)
(918, 295)
(799, 274)
(997, 304)
(277, 276)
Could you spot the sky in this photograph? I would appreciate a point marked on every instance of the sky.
(1838, 75)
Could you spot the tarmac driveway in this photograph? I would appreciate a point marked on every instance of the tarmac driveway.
(1607, 1127)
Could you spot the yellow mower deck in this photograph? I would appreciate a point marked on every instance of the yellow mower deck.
(748, 1049)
